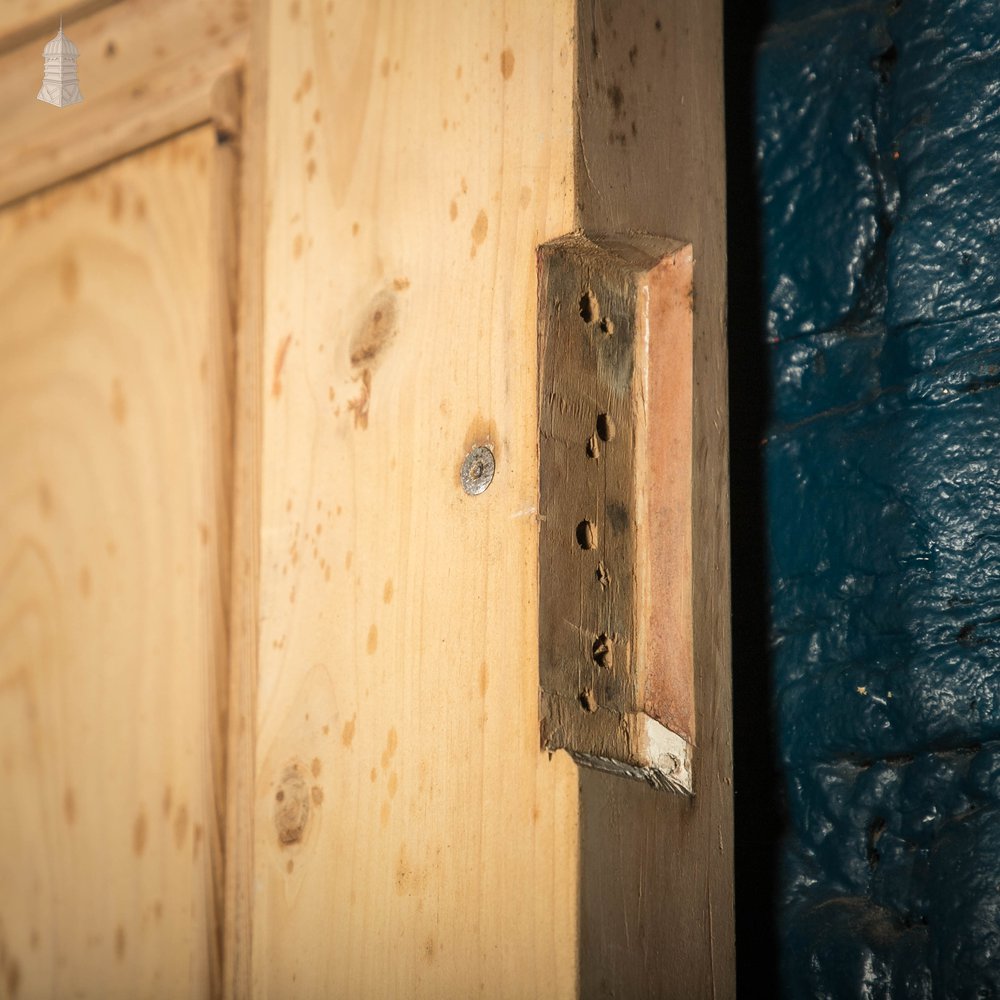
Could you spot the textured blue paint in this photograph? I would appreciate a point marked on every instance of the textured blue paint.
(822, 187)
(944, 116)
(879, 151)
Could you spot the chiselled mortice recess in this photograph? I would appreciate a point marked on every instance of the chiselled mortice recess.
(615, 430)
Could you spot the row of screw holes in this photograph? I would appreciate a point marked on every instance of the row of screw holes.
(586, 531)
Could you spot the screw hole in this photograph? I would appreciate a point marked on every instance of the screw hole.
(589, 308)
(605, 427)
(603, 654)
(587, 701)
(586, 535)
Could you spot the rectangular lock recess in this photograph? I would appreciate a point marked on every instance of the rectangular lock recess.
(616, 664)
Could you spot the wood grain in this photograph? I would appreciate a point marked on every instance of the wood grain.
(615, 408)
(392, 827)
(147, 69)
(114, 580)
(246, 542)
(411, 839)
(651, 157)
(21, 20)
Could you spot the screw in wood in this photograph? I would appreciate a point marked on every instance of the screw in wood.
(477, 470)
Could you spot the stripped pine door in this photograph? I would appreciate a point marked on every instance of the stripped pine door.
(410, 838)
(114, 531)
(269, 676)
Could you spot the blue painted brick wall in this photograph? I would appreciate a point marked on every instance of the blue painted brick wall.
(879, 155)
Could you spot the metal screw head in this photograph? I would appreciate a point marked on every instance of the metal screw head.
(477, 470)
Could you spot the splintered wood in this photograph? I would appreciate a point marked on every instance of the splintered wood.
(615, 428)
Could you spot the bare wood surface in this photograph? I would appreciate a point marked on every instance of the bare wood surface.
(147, 69)
(247, 476)
(411, 839)
(656, 871)
(21, 20)
(114, 526)
(615, 630)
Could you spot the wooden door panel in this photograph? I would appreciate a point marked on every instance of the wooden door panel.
(393, 827)
(114, 523)
(411, 838)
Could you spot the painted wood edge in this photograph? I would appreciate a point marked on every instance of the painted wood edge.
(664, 759)
(647, 752)
(161, 99)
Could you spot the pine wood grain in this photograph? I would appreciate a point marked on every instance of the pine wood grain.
(115, 397)
(21, 20)
(411, 838)
(246, 542)
(147, 69)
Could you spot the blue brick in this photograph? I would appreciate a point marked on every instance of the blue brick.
(822, 202)
(879, 145)
(944, 117)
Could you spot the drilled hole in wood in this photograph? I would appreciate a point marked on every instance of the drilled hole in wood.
(603, 652)
(586, 535)
(605, 427)
(602, 574)
(593, 447)
(588, 702)
(590, 310)
(607, 326)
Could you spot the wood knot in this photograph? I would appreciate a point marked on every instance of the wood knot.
(376, 331)
(291, 805)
